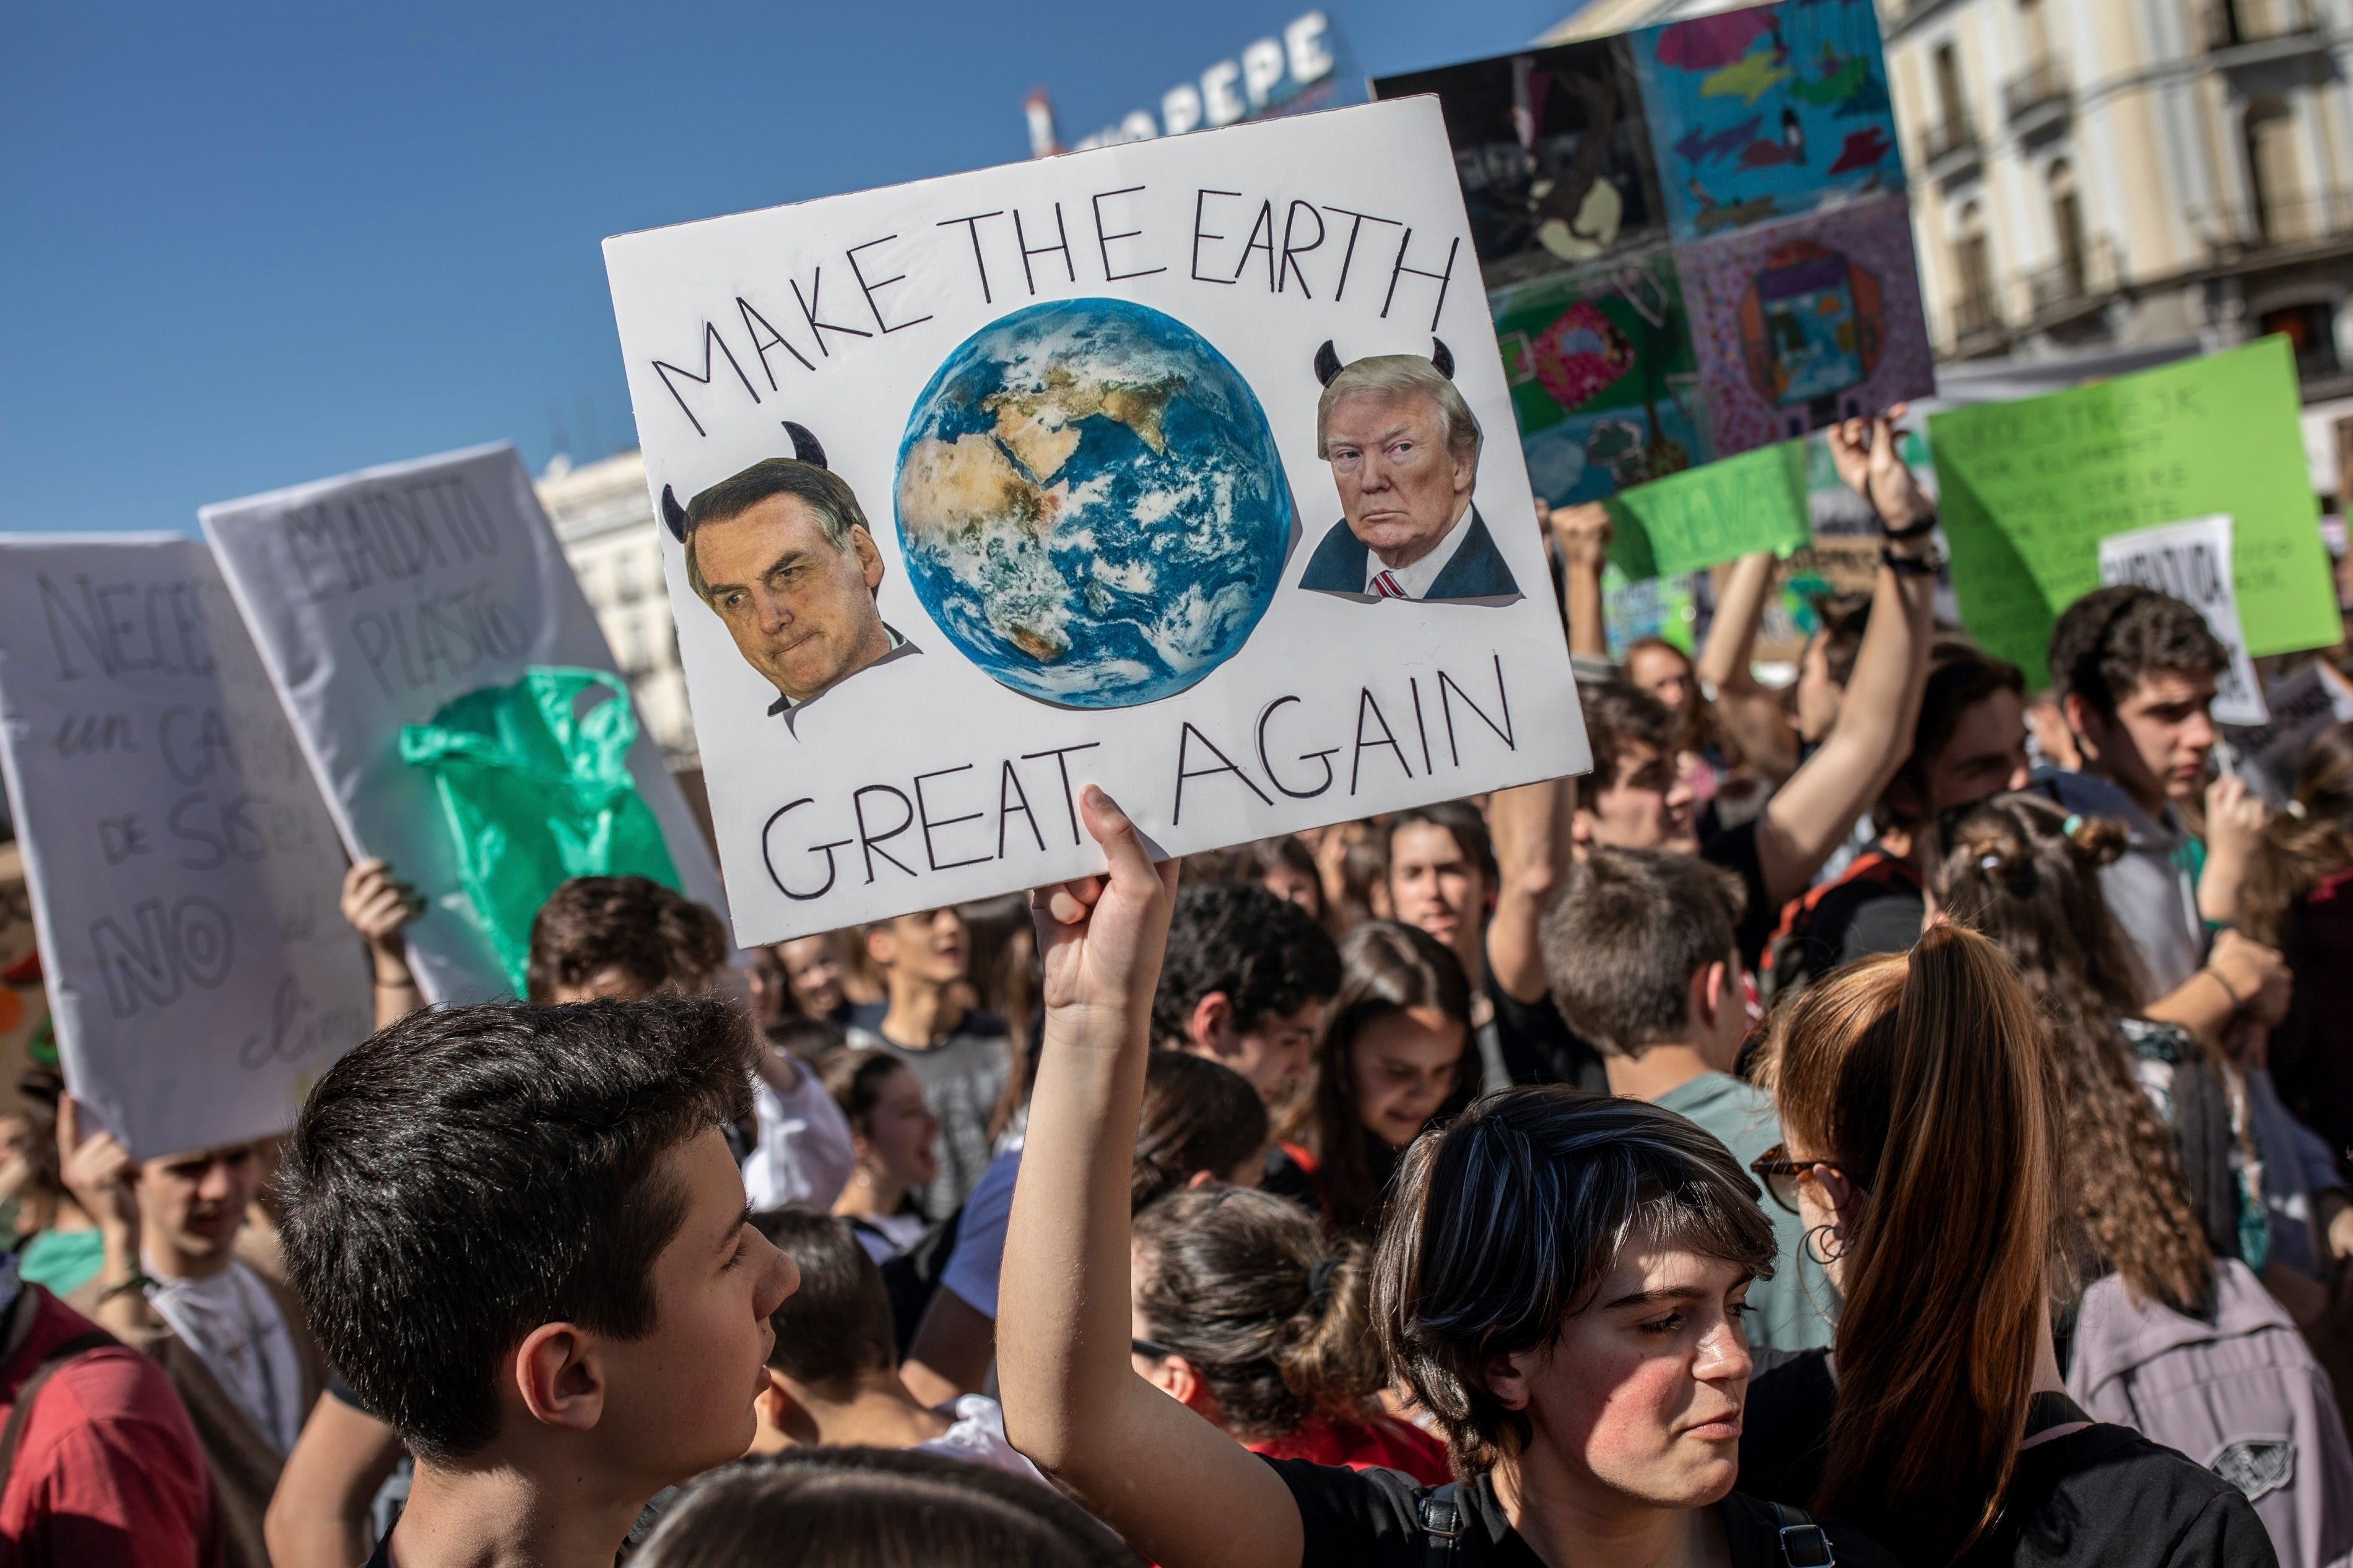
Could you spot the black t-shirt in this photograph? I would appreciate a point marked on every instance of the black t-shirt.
(1734, 849)
(1538, 1046)
(2102, 1494)
(1372, 1519)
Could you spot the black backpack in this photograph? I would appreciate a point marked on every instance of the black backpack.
(1804, 1544)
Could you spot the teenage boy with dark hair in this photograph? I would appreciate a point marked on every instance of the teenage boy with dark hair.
(2135, 670)
(520, 1235)
(1640, 949)
(1968, 744)
(1635, 797)
(960, 1055)
(833, 1374)
(1245, 984)
(621, 937)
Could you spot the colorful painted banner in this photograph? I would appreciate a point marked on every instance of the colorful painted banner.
(1695, 236)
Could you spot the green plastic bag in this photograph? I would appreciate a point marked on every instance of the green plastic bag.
(535, 794)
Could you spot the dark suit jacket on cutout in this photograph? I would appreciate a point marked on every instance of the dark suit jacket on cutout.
(1477, 571)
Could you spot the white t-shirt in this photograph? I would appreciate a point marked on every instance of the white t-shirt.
(233, 1323)
(886, 1235)
(978, 1439)
(805, 1155)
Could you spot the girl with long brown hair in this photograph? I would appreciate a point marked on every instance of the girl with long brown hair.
(1924, 1126)
(1396, 1055)
(2024, 873)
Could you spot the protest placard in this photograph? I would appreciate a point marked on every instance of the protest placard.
(183, 870)
(2028, 489)
(1705, 516)
(1695, 234)
(456, 700)
(2191, 561)
(2299, 706)
(1040, 485)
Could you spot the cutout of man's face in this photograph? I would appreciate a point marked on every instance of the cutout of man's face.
(800, 608)
(1400, 488)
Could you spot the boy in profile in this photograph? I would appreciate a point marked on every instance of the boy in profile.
(520, 1236)
(833, 1374)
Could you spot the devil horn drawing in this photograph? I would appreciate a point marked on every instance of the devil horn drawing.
(804, 445)
(1443, 357)
(1327, 363)
(674, 514)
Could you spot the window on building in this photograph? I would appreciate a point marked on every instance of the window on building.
(2067, 225)
(2311, 332)
(2034, 26)
(1973, 303)
(1951, 106)
(2275, 213)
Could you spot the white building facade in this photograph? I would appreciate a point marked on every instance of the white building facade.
(608, 529)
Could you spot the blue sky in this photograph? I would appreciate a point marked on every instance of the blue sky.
(247, 245)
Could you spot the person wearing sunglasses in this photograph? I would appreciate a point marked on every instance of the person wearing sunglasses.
(1924, 1147)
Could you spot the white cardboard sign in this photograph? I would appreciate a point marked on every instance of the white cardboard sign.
(379, 597)
(184, 872)
(1075, 403)
(2191, 561)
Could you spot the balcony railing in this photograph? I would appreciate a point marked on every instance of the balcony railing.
(2077, 282)
(2040, 87)
(1975, 319)
(1952, 138)
(2231, 23)
(2287, 223)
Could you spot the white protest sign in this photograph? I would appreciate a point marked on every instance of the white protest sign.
(1074, 404)
(2191, 561)
(184, 872)
(2302, 705)
(456, 699)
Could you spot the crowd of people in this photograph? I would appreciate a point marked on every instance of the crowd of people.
(1872, 1121)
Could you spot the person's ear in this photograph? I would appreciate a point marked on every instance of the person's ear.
(560, 1377)
(2080, 720)
(782, 1414)
(1199, 1179)
(869, 560)
(1844, 1196)
(882, 944)
(1581, 830)
(1508, 1378)
(1704, 1000)
(1211, 1024)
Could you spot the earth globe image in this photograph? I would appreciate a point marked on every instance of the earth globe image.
(1090, 503)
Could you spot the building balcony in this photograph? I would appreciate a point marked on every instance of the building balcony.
(1976, 323)
(1949, 145)
(2075, 285)
(2236, 24)
(2290, 228)
(2038, 97)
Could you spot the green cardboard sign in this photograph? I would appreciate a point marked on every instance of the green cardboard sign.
(1708, 515)
(2028, 489)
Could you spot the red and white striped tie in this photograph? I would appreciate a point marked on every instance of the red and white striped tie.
(1387, 587)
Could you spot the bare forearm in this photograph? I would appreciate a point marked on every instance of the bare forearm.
(1810, 814)
(2202, 1004)
(1062, 1363)
(1588, 632)
(1739, 610)
(1531, 837)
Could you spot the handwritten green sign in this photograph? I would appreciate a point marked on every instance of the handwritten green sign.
(1706, 515)
(2028, 489)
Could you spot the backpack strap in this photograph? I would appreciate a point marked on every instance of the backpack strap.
(1442, 1522)
(30, 1390)
(1804, 1544)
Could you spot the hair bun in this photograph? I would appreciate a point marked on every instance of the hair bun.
(2102, 840)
